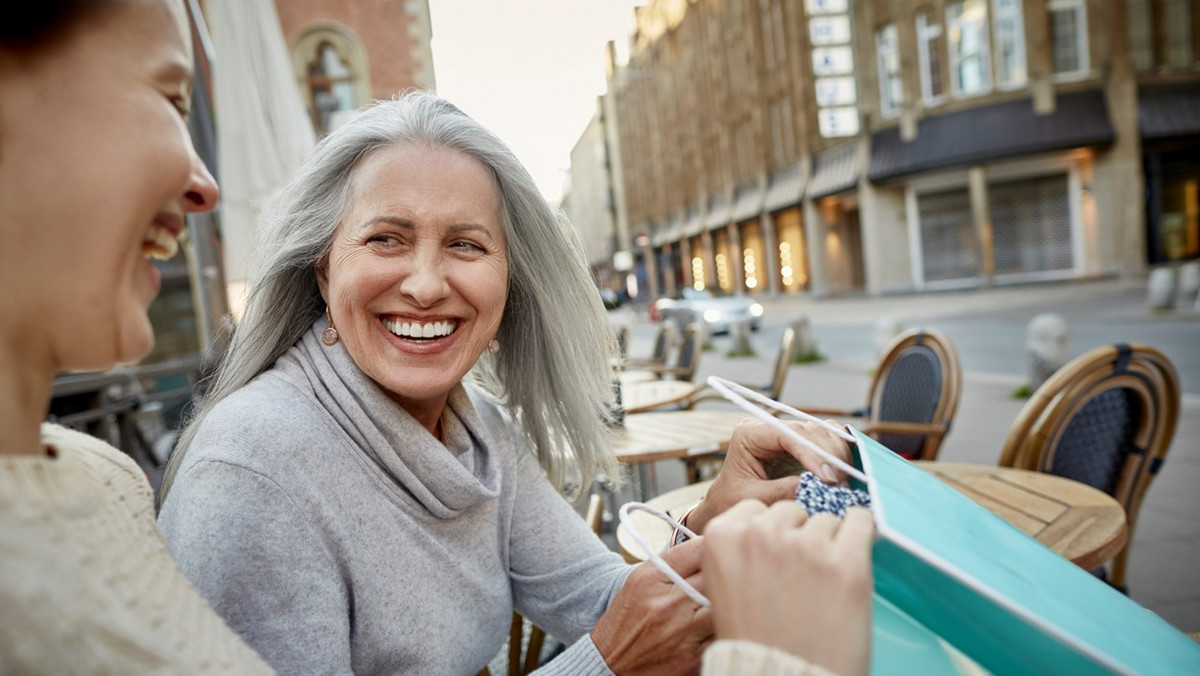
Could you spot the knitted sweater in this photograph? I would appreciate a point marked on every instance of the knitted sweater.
(86, 583)
(743, 658)
(337, 535)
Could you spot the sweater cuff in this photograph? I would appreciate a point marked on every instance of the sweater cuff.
(725, 658)
(581, 658)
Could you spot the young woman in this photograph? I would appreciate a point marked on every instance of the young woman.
(97, 175)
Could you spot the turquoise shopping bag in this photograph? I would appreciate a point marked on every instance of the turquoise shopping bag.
(958, 590)
(993, 594)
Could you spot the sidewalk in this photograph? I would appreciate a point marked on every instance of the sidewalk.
(1163, 574)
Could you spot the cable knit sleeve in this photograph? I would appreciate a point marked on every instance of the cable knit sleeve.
(258, 561)
(744, 658)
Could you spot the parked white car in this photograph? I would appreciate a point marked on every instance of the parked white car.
(719, 312)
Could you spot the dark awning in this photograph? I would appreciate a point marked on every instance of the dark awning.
(990, 133)
(1165, 112)
(834, 170)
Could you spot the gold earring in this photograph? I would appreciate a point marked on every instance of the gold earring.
(329, 336)
(494, 346)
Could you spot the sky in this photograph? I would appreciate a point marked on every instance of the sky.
(529, 70)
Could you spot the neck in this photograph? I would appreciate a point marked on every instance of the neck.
(427, 413)
(24, 400)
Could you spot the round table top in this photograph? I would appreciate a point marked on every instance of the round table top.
(673, 435)
(1077, 521)
(647, 395)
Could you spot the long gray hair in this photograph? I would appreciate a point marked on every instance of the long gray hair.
(552, 370)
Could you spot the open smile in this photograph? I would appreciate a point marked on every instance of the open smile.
(421, 331)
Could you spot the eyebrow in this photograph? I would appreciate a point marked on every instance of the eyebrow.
(408, 225)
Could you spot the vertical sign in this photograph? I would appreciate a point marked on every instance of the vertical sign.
(833, 67)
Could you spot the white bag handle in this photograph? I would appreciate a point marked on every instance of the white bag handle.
(656, 558)
(737, 395)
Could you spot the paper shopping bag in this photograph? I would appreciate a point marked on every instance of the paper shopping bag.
(968, 590)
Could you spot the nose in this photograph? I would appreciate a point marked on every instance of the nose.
(201, 193)
(425, 284)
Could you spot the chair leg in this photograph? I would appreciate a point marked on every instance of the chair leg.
(516, 632)
(1117, 579)
(534, 652)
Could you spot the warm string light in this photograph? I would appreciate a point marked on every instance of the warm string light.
(698, 273)
(785, 264)
(723, 271)
(751, 268)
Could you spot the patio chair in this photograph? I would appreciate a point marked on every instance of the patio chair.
(773, 389)
(1105, 419)
(913, 395)
(687, 359)
(521, 662)
(664, 340)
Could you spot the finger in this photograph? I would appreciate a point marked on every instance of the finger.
(785, 515)
(857, 530)
(684, 558)
(821, 526)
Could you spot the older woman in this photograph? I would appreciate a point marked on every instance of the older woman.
(348, 499)
(97, 175)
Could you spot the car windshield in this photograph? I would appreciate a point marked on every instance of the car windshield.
(690, 293)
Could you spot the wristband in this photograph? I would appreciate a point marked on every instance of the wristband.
(678, 536)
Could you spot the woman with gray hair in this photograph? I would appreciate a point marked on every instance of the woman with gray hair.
(346, 500)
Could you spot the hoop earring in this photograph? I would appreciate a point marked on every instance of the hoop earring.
(330, 335)
(494, 346)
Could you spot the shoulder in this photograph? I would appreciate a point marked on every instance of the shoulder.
(109, 464)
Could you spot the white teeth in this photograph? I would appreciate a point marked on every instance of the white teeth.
(159, 243)
(419, 330)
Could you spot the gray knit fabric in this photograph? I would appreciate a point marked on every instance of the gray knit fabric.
(338, 536)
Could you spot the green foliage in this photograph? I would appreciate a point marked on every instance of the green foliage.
(1022, 392)
(812, 357)
(738, 355)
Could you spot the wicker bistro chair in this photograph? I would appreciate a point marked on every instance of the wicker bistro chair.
(664, 340)
(523, 662)
(1105, 419)
(687, 359)
(773, 389)
(913, 395)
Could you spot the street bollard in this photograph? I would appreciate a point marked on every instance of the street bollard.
(739, 334)
(805, 345)
(1160, 288)
(1189, 283)
(1047, 347)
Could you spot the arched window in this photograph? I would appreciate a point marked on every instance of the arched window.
(331, 65)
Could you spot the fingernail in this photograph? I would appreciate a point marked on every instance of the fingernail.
(828, 474)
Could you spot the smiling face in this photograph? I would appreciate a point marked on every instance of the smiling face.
(97, 173)
(417, 274)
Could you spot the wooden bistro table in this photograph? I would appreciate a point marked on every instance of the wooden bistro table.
(1075, 520)
(648, 395)
(646, 438)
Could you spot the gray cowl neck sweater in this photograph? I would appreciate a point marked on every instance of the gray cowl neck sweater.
(337, 535)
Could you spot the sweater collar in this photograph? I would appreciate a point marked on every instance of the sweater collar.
(446, 480)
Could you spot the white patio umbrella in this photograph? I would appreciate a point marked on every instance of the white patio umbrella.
(263, 129)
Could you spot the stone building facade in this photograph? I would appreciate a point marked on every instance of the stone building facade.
(842, 146)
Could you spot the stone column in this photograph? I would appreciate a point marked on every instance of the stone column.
(981, 216)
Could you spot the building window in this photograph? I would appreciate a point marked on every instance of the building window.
(1009, 28)
(332, 67)
(1068, 38)
(1179, 33)
(1140, 21)
(887, 53)
(929, 53)
(970, 67)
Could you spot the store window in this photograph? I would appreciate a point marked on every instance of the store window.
(1009, 29)
(793, 255)
(1140, 22)
(887, 54)
(949, 245)
(1068, 38)
(970, 63)
(929, 54)
(753, 257)
(1179, 32)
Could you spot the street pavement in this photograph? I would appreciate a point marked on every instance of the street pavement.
(987, 327)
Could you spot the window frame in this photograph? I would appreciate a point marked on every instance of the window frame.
(1019, 46)
(985, 52)
(927, 34)
(1082, 43)
(888, 80)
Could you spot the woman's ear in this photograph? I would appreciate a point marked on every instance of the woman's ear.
(322, 270)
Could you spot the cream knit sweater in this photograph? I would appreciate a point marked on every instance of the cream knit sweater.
(86, 583)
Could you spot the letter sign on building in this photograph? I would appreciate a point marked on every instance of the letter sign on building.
(833, 67)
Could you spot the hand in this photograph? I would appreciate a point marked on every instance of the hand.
(651, 626)
(802, 585)
(744, 473)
